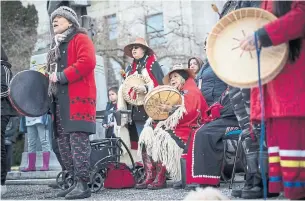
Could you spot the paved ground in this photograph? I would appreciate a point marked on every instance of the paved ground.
(43, 192)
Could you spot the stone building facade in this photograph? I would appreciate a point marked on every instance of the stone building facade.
(175, 29)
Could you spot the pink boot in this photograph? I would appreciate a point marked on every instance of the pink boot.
(45, 161)
(32, 163)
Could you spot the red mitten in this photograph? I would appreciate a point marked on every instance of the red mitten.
(215, 110)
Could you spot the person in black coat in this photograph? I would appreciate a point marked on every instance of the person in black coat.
(209, 84)
(7, 111)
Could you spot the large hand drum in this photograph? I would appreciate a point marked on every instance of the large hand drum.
(129, 94)
(28, 93)
(161, 95)
(230, 63)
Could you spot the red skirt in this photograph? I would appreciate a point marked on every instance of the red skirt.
(286, 148)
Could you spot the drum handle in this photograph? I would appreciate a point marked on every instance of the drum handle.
(262, 137)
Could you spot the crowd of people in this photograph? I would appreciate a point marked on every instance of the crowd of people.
(190, 145)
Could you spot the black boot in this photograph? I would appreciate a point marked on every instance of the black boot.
(248, 185)
(250, 149)
(182, 183)
(63, 193)
(256, 191)
(80, 191)
(191, 187)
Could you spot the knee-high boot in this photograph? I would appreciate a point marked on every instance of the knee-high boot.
(149, 169)
(257, 190)
(31, 163)
(160, 180)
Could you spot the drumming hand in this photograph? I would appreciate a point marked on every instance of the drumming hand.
(165, 108)
(140, 89)
(53, 77)
(248, 44)
(105, 126)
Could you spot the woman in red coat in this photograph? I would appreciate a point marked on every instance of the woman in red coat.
(284, 99)
(71, 63)
(162, 146)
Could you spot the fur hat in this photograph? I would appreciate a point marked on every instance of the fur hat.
(67, 13)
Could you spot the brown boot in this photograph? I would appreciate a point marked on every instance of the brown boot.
(150, 170)
(160, 181)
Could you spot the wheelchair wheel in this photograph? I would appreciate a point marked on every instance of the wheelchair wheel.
(64, 180)
(96, 182)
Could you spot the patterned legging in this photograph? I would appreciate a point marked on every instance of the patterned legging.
(74, 149)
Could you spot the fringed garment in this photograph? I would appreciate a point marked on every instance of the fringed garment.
(166, 140)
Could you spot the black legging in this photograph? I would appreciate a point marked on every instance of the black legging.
(56, 151)
(4, 122)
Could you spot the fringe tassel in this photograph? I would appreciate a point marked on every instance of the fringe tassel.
(148, 122)
(172, 121)
(146, 138)
(165, 149)
(123, 133)
(122, 105)
(150, 83)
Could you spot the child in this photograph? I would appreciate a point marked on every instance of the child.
(108, 121)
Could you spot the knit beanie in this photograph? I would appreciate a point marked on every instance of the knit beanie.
(67, 13)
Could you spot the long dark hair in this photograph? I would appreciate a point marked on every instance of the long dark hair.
(280, 8)
(114, 89)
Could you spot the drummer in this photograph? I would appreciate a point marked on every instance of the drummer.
(161, 145)
(146, 64)
(284, 98)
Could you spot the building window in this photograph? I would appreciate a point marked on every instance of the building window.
(112, 26)
(155, 29)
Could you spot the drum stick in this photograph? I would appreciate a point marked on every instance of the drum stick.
(215, 9)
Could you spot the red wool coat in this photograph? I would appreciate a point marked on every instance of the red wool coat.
(77, 97)
(285, 95)
(193, 101)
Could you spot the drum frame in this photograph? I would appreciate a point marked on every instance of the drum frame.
(15, 105)
(230, 18)
(155, 91)
(125, 89)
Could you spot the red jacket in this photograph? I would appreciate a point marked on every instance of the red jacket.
(193, 101)
(77, 97)
(285, 95)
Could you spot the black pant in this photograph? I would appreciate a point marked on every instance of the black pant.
(56, 151)
(9, 157)
(4, 122)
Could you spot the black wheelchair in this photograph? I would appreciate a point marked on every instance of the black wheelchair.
(103, 152)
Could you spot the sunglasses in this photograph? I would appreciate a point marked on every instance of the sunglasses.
(134, 47)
